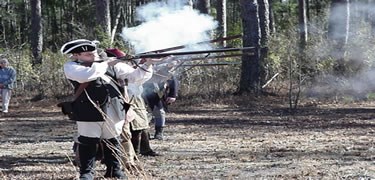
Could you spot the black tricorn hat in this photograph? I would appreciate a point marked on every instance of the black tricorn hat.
(78, 46)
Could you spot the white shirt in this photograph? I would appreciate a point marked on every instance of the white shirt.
(81, 74)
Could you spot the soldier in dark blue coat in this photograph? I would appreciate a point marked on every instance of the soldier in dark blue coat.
(159, 92)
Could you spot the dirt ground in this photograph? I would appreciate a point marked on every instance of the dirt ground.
(236, 138)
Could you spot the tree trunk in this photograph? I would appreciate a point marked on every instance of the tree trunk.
(264, 23)
(250, 73)
(319, 7)
(132, 12)
(203, 6)
(338, 26)
(12, 25)
(222, 20)
(126, 11)
(23, 22)
(371, 16)
(103, 18)
(307, 7)
(114, 29)
(189, 3)
(4, 32)
(356, 18)
(338, 31)
(36, 36)
(54, 28)
(303, 64)
(271, 18)
(70, 18)
(302, 19)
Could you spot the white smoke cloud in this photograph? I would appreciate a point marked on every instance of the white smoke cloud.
(359, 56)
(166, 25)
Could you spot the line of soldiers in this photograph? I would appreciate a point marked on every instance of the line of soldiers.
(112, 118)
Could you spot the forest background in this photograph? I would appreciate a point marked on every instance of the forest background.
(279, 127)
(303, 48)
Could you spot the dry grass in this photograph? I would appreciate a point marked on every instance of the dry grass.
(236, 138)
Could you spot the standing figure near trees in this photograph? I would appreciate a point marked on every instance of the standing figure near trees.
(159, 92)
(100, 109)
(7, 81)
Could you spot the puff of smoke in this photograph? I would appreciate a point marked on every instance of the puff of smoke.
(168, 24)
(358, 51)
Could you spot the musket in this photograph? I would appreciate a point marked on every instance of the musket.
(210, 64)
(219, 56)
(202, 42)
(161, 55)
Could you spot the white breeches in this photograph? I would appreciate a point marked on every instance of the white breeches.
(110, 128)
(5, 97)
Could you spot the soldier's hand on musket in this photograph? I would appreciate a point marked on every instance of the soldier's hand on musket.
(149, 61)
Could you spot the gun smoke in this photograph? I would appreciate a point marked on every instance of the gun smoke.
(168, 24)
(358, 52)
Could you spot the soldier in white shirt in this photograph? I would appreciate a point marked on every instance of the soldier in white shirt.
(101, 108)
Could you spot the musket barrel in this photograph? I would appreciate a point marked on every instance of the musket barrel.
(211, 64)
(203, 42)
(161, 55)
(217, 57)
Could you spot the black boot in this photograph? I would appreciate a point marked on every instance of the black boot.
(76, 155)
(87, 151)
(112, 152)
(159, 133)
(145, 144)
(136, 141)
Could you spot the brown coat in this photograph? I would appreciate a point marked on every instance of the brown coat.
(141, 118)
